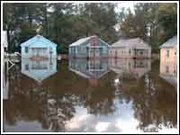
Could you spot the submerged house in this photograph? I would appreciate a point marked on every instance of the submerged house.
(38, 47)
(89, 47)
(168, 60)
(130, 48)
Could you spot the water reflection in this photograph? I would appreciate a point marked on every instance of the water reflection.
(92, 69)
(38, 69)
(67, 102)
(133, 68)
(168, 71)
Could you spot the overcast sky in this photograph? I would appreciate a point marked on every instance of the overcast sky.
(126, 5)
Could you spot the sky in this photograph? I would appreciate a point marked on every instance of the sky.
(126, 5)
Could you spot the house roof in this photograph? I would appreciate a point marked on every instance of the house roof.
(134, 43)
(37, 39)
(82, 40)
(172, 42)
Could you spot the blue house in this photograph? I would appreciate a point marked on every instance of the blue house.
(38, 47)
(89, 47)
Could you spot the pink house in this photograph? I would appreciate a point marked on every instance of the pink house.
(168, 60)
(130, 48)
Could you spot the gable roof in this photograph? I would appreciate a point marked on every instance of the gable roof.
(172, 42)
(82, 40)
(37, 38)
(133, 42)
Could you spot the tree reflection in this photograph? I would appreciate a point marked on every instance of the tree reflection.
(30, 101)
(53, 102)
(100, 99)
(154, 101)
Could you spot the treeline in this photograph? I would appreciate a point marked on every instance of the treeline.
(153, 22)
(64, 23)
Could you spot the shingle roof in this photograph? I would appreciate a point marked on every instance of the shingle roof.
(82, 40)
(172, 42)
(36, 39)
(134, 42)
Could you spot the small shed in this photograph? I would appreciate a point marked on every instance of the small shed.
(38, 47)
(89, 47)
(130, 48)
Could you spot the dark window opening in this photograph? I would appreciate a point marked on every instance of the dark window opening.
(26, 49)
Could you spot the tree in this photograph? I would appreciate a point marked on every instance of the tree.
(151, 22)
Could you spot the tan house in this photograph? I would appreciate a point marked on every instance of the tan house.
(130, 48)
(168, 60)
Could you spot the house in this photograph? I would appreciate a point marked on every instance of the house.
(38, 70)
(168, 60)
(92, 69)
(130, 48)
(38, 47)
(130, 68)
(89, 47)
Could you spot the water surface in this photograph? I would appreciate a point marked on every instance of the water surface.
(115, 95)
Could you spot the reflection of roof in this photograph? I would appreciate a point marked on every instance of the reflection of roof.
(88, 74)
(38, 75)
(36, 39)
(170, 43)
(134, 42)
(93, 81)
(171, 79)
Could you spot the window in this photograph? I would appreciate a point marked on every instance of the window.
(167, 69)
(26, 67)
(167, 53)
(26, 49)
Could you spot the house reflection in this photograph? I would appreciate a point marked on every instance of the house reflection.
(93, 69)
(5, 81)
(38, 69)
(133, 68)
(168, 72)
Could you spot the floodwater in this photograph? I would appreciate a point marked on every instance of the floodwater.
(114, 95)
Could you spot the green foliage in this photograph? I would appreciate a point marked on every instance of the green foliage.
(67, 22)
(161, 19)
